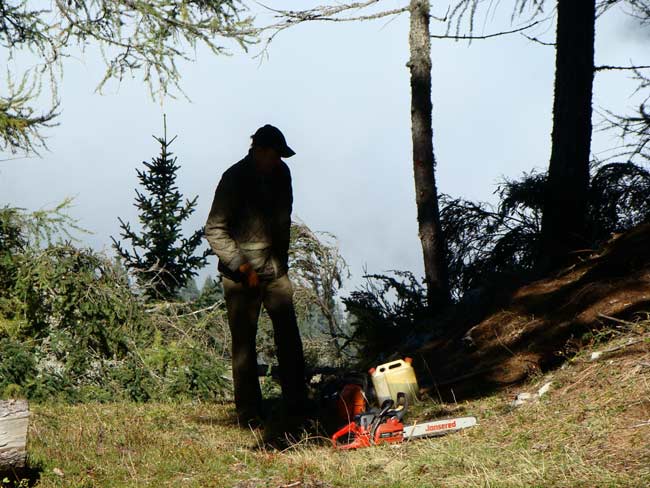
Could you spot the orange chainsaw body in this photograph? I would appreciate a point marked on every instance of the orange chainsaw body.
(385, 426)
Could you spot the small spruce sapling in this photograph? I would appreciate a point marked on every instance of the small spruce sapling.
(161, 258)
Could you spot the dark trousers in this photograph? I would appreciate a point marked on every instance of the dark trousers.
(243, 305)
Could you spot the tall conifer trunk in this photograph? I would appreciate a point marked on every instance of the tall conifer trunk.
(565, 206)
(426, 195)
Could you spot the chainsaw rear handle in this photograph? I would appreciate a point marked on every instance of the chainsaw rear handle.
(400, 407)
(385, 407)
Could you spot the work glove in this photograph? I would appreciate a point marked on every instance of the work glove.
(250, 276)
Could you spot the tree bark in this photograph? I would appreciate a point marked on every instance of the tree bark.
(426, 194)
(564, 221)
(14, 418)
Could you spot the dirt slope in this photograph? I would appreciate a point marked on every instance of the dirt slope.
(543, 323)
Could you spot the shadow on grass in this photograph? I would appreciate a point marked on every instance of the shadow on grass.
(278, 429)
(22, 477)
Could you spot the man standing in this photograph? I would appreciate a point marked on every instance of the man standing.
(248, 229)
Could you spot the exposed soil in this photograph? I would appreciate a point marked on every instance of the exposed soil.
(540, 325)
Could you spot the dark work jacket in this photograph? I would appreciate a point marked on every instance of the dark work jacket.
(250, 220)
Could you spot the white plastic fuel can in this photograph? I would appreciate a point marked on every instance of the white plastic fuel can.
(389, 379)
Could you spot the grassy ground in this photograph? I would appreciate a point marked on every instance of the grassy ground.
(591, 429)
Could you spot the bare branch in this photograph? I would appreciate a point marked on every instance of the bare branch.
(202, 310)
(14, 159)
(133, 35)
(467, 10)
(325, 13)
(538, 41)
(623, 68)
(487, 36)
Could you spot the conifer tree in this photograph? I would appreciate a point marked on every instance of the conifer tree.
(211, 293)
(161, 258)
(190, 291)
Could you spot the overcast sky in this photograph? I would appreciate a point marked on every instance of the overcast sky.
(340, 93)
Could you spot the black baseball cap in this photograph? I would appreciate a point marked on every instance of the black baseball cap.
(270, 136)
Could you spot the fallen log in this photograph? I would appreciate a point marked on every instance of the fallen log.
(14, 419)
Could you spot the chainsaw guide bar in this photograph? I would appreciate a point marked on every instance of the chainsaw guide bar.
(438, 427)
(385, 426)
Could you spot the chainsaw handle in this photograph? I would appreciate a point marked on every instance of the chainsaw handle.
(385, 407)
(361, 437)
(350, 428)
(401, 406)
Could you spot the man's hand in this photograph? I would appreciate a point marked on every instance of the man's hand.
(250, 276)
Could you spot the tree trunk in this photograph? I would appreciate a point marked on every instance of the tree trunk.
(14, 418)
(565, 206)
(426, 195)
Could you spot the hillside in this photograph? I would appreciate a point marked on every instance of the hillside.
(581, 338)
(537, 327)
(590, 430)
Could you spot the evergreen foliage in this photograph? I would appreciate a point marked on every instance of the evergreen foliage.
(12, 242)
(20, 126)
(161, 258)
(386, 311)
(485, 241)
(211, 293)
(18, 233)
(134, 35)
(620, 199)
(72, 328)
(567, 204)
(190, 291)
(489, 246)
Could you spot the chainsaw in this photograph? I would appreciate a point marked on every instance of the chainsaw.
(385, 426)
